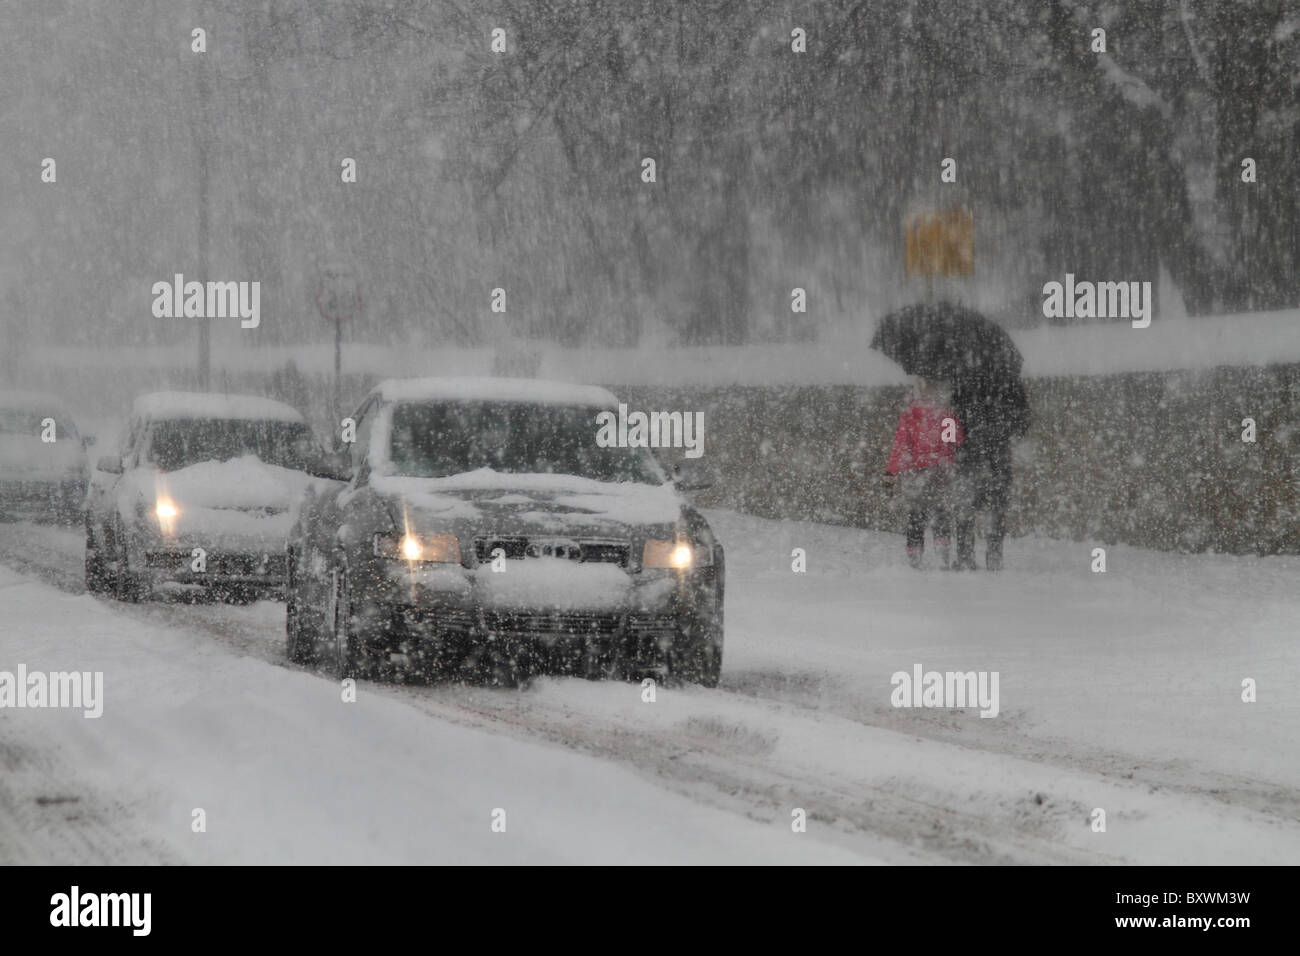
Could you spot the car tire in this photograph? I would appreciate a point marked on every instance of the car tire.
(696, 655)
(347, 658)
(301, 635)
(98, 580)
(127, 586)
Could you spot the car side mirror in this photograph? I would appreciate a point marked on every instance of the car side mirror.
(692, 476)
(335, 465)
(111, 464)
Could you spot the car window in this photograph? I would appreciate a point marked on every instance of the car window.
(130, 438)
(179, 443)
(437, 439)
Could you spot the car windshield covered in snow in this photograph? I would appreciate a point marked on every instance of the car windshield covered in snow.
(435, 440)
(179, 443)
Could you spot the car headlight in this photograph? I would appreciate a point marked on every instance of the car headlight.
(679, 554)
(422, 548)
(166, 512)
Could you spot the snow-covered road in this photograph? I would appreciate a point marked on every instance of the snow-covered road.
(1119, 691)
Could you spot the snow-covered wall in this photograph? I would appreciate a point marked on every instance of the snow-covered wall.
(1137, 433)
(1250, 339)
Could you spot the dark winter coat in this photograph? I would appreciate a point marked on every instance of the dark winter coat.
(993, 411)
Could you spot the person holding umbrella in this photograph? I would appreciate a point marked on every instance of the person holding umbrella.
(995, 409)
(961, 346)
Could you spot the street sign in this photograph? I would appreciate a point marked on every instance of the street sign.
(940, 242)
(338, 294)
(338, 298)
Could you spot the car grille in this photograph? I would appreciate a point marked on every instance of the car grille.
(551, 624)
(519, 547)
(577, 624)
(639, 624)
(455, 619)
(222, 565)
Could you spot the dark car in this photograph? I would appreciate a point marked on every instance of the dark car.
(483, 526)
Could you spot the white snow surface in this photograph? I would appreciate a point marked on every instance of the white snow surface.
(626, 501)
(169, 405)
(244, 482)
(286, 772)
(494, 390)
(1169, 344)
(1120, 691)
(554, 586)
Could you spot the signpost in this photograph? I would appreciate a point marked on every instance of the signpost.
(338, 299)
(940, 242)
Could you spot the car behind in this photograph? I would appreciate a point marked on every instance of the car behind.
(202, 493)
(43, 465)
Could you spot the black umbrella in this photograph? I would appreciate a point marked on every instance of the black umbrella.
(957, 344)
(947, 341)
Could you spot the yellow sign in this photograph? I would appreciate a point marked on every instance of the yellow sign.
(941, 243)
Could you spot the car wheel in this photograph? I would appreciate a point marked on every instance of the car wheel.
(345, 644)
(696, 656)
(301, 635)
(98, 580)
(127, 586)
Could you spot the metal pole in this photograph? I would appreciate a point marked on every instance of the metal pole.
(338, 369)
(201, 139)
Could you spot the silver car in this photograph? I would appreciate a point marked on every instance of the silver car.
(202, 493)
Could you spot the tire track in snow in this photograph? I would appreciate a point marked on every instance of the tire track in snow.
(46, 823)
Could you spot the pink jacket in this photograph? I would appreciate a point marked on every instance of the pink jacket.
(918, 442)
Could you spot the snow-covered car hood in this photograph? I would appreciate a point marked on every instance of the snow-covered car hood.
(26, 456)
(239, 505)
(241, 484)
(561, 503)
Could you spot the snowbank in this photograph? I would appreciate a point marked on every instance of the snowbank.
(212, 405)
(494, 390)
(1258, 338)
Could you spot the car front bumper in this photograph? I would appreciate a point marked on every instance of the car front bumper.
(249, 569)
(211, 550)
(447, 609)
(42, 494)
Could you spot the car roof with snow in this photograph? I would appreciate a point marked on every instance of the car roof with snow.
(528, 390)
(167, 405)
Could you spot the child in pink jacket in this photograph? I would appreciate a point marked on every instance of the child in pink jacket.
(922, 462)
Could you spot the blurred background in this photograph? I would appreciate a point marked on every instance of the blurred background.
(522, 170)
(775, 170)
